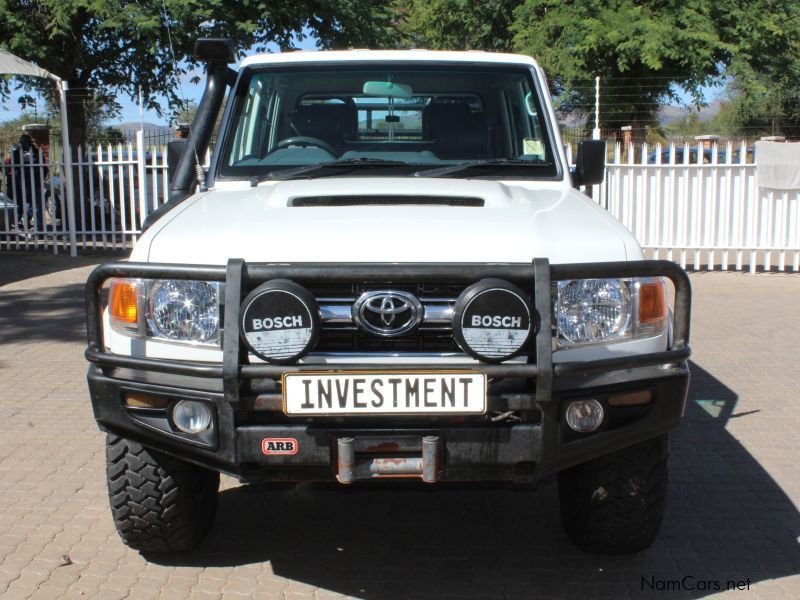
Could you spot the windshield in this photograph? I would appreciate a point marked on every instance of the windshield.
(401, 120)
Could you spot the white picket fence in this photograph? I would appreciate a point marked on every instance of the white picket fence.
(116, 187)
(700, 207)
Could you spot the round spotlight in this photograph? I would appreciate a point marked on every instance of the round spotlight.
(191, 416)
(280, 321)
(492, 320)
(584, 416)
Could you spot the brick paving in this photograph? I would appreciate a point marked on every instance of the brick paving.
(732, 511)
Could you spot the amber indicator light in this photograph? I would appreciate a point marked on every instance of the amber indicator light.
(652, 302)
(136, 400)
(631, 398)
(122, 301)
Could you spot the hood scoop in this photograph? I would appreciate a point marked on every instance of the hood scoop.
(386, 200)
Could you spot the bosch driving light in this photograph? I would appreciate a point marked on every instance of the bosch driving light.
(584, 416)
(492, 320)
(184, 311)
(191, 416)
(280, 321)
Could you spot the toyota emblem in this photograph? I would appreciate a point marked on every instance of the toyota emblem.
(387, 313)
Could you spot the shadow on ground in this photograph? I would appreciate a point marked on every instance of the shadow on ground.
(18, 266)
(383, 542)
(29, 313)
(43, 314)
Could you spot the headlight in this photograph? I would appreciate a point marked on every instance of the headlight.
(592, 310)
(599, 311)
(183, 311)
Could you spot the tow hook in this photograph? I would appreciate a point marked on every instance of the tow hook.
(368, 458)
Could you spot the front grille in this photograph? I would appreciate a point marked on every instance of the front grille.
(353, 290)
(421, 341)
(340, 333)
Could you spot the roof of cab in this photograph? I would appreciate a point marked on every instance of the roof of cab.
(322, 56)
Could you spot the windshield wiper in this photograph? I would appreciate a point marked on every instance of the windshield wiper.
(480, 164)
(319, 169)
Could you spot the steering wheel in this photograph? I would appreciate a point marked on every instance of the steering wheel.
(304, 141)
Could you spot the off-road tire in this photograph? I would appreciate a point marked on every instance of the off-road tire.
(159, 503)
(614, 504)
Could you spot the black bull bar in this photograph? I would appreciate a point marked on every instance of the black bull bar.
(535, 277)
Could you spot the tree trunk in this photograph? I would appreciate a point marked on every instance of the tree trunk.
(76, 115)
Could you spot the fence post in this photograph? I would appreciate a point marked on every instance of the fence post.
(141, 166)
(67, 151)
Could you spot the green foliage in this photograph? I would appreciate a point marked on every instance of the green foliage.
(457, 24)
(108, 46)
(640, 50)
(766, 101)
(97, 111)
(107, 135)
(689, 127)
(185, 112)
(646, 52)
(11, 129)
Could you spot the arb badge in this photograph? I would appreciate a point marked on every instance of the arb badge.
(279, 446)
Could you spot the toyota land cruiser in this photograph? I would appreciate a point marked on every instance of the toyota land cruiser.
(386, 272)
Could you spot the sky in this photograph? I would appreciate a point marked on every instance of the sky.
(10, 108)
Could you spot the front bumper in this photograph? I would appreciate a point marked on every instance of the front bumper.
(522, 439)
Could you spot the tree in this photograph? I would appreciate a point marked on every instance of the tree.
(764, 91)
(105, 46)
(457, 24)
(646, 52)
(688, 127)
(97, 113)
(642, 51)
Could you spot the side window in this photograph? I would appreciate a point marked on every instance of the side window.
(252, 136)
(524, 122)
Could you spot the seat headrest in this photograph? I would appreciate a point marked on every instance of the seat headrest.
(332, 123)
(457, 130)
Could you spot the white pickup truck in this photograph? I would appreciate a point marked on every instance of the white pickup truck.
(386, 272)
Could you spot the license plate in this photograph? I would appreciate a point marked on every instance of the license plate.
(406, 393)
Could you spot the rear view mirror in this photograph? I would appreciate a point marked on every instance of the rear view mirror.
(590, 164)
(386, 89)
(175, 149)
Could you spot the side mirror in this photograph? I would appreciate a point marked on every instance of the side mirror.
(175, 149)
(590, 164)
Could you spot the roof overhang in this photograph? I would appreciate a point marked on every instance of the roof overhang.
(11, 64)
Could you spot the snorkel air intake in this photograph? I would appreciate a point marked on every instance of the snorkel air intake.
(217, 53)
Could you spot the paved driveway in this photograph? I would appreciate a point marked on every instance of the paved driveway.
(732, 513)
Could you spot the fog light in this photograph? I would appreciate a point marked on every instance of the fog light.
(191, 416)
(584, 415)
